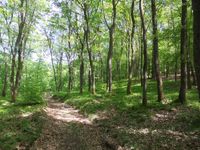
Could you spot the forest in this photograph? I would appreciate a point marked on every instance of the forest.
(99, 74)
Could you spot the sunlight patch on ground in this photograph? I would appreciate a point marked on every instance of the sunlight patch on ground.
(5, 103)
(65, 113)
(24, 115)
(136, 131)
(93, 117)
(164, 116)
(176, 134)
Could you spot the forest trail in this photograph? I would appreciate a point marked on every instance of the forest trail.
(66, 129)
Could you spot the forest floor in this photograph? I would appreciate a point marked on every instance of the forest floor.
(103, 121)
(123, 119)
(66, 129)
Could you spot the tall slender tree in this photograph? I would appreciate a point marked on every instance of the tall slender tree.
(130, 75)
(111, 29)
(182, 92)
(88, 12)
(144, 40)
(156, 63)
(196, 29)
(19, 47)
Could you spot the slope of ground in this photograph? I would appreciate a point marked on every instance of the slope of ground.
(66, 129)
(158, 126)
(103, 121)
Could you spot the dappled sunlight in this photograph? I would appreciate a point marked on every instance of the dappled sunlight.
(24, 115)
(62, 112)
(176, 134)
(93, 117)
(140, 131)
(163, 116)
(6, 103)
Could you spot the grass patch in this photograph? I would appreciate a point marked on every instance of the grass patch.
(118, 100)
(157, 126)
(20, 124)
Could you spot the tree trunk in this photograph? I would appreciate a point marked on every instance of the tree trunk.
(101, 69)
(109, 61)
(17, 49)
(69, 77)
(182, 92)
(149, 66)
(81, 70)
(81, 76)
(89, 81)
(87, 38)
(194, 81)
(132, 49)
(144, 87)
(111, 43)
(196, 29)
(60, 85)
(156, 63)
(5, 80)
(189, 84)
(153, 72)
(141, 59)
(176, 71)
(12, 77)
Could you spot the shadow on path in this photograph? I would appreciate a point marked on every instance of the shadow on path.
(66, 129)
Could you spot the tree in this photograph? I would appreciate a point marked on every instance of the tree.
(89, 12)
(82, 46)
(131, 67)
(182, 92)
(144, 40)
(111, 29)
(50, 46)
(19, 46)
(196, 34)
(156, 64)
(5, 72)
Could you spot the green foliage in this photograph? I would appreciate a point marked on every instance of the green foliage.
(19, 124)
(118, 100)
(35, 82)
(61, 96)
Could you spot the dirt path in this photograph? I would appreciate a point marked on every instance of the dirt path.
(66, 129)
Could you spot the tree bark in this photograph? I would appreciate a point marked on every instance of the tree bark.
(182, 92)
(141, 58)
(130, 76)
(156, 63)
(189, 84)
(153, 71)
(109, 61)
(69, 77)
(60, 84)
(89, 80)
(87, 38)
(81, 68)
(196, 42)
(194, 81)
(144, 74)
(111, 45)
(5, 80)
(14, 78)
